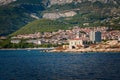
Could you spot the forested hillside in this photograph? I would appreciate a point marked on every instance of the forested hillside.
(15, 15)
(88, 15)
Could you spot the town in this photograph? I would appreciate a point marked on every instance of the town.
(74, 38)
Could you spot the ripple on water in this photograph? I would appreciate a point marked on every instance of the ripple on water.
(35, 65)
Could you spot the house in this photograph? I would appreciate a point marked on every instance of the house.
(77, 42)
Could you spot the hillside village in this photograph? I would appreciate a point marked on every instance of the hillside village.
(61, 21)
(69, 34)
(63, 37)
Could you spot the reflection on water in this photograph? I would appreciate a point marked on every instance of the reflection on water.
(36, 65)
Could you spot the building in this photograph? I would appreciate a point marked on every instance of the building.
(15, 41)
(34, 41)
(119, 38)
(76, 43)
(95, 36)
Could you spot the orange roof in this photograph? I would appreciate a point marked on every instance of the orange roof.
(82, 38)
(77, 39)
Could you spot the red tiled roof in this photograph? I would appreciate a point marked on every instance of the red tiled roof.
(81, 38)
(77, 39)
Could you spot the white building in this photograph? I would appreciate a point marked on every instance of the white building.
(15, 41)
(76, 43)
(119, 38)
(34, 41)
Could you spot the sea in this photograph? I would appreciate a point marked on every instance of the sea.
(39, 65)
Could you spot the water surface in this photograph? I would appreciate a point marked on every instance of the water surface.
(36, 65)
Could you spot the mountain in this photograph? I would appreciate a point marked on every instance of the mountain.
(83, 14)
(17, 14)
(14, 15)
(4, 2)
(42, 25)
(60, 2)
(58, 8)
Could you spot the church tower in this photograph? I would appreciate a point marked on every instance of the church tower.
(78, 35)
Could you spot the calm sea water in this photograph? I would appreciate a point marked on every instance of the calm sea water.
(36, 65)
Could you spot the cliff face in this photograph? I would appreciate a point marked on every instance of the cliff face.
(59, 2)
(52, 2)
(3, 2)
(70, 13)
(59, 14)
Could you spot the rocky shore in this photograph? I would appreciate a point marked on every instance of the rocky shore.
(87, 50)
(108, 46)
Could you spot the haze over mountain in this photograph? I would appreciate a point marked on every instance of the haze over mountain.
(16, 14)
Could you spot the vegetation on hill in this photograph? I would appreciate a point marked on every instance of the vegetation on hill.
(17, 14)
(94, 14)
(42, 25)
(28, 1)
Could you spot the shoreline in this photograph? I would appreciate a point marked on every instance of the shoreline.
(87, 50)
(27, 49)
(67, 50)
